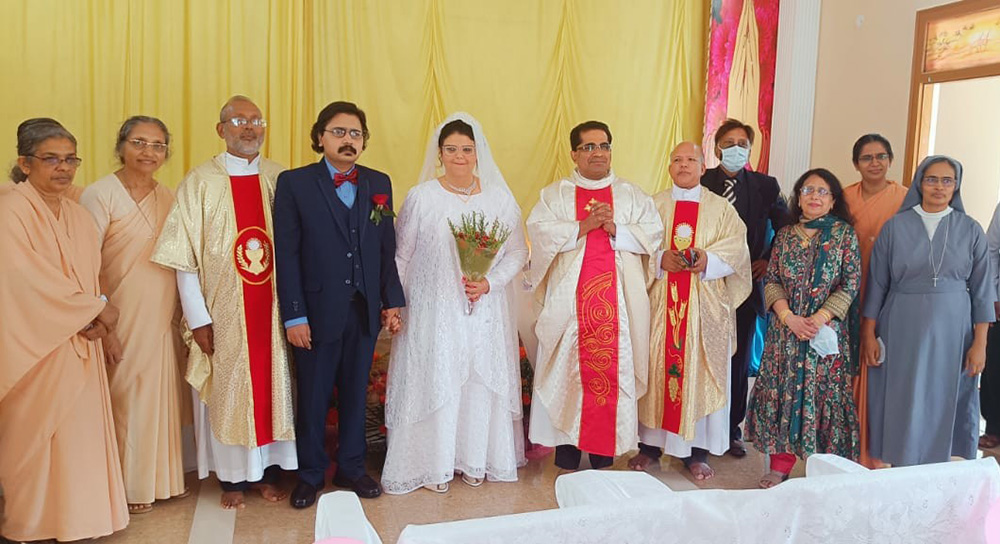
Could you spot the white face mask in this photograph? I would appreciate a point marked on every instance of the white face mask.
(734, 158)
(825, 342)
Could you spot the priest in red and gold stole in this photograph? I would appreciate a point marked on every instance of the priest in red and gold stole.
(696, 283)
(218, 237)
(589, 233)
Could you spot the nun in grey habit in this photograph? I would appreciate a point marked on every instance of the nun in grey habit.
(929, 299)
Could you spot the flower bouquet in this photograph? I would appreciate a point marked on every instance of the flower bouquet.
(478, 244)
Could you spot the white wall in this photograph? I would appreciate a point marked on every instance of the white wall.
(863, 79)
(966, 129)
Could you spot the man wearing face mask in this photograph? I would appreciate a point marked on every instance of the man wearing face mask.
(758, 200)
(218, 239)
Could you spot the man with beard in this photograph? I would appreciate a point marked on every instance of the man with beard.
(218, 239)
(338, 285)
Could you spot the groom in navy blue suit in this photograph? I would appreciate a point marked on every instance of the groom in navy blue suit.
(335, 252)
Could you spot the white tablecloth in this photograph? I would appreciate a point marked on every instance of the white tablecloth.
(339, 514)
(930, 504)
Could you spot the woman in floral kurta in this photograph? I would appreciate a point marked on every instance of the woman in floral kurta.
(802, 402)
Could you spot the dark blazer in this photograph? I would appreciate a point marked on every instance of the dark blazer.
(758, 200)
(311, 250)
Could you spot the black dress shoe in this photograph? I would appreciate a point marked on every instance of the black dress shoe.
(304, 495)
(364, 486)
(737, 448)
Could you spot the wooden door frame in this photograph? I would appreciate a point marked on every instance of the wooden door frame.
(918, 126)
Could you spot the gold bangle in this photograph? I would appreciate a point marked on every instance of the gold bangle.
(784, 315)
(826, 315)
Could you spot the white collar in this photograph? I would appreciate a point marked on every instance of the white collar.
(237, 166)
(932, 215)
(686, 195)
(577, 179)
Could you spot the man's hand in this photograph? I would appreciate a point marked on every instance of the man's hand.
(476, 289)
(610, 228)
(205, 338)
(108, 317)
(672, 261)
(300, 336)
(600, 213)
(391, 320)
(700, 262)
(759, 268)
(112, 349)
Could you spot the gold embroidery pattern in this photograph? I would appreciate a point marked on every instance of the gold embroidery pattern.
(677, 310)
(597, 337)
(683, 236)
(252, 254)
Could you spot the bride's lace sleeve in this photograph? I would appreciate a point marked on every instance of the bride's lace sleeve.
(406, 232)
(510, 260)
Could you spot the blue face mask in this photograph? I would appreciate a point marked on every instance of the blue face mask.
(734, 158)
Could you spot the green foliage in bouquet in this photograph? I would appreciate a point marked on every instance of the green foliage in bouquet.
(478, 243)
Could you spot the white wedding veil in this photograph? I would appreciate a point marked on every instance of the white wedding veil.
(488, 171)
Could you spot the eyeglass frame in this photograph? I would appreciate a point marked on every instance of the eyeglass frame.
(880, 157)
(605, 147)
(355, 134)
(934, 181)
(821, 192)
(452, 150)
(156, 147)
(240, 122)
(54, 161)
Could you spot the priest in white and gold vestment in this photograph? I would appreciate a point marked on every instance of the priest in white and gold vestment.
(696, 283)
(589, 233)
(218, 237)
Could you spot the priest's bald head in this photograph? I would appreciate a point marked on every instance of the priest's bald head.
(687, 164)
(242, 126)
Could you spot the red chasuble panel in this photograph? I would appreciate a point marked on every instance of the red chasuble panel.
(678, 286)
(253, 258)
(597, 321)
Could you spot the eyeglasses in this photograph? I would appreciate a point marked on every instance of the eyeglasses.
(142, 145)
(466, 150)
(935, 181)
(745, 144)
(54, 161)
(880, 157)
(590, 148)
(240, 122)
(340, 132)
(808, 190)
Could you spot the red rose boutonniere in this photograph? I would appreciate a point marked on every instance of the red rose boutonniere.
(381, 208)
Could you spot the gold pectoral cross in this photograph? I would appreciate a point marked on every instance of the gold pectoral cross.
(590, 205)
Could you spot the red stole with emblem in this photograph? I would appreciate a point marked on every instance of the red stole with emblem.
(597, 322)
(678, 286)
(253, 258)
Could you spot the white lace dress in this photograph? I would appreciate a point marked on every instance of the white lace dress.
(454, 389)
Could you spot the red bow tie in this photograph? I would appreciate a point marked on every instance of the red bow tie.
(340, 179)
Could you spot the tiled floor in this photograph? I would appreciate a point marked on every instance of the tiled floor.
(171, 522)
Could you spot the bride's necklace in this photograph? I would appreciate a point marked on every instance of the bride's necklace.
(465, 193)
(936, 269)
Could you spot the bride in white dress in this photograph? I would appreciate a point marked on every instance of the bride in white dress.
(453, 400)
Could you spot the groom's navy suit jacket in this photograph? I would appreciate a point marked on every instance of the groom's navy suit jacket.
(326, 253)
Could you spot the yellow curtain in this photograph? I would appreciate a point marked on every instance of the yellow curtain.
(529, 70)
